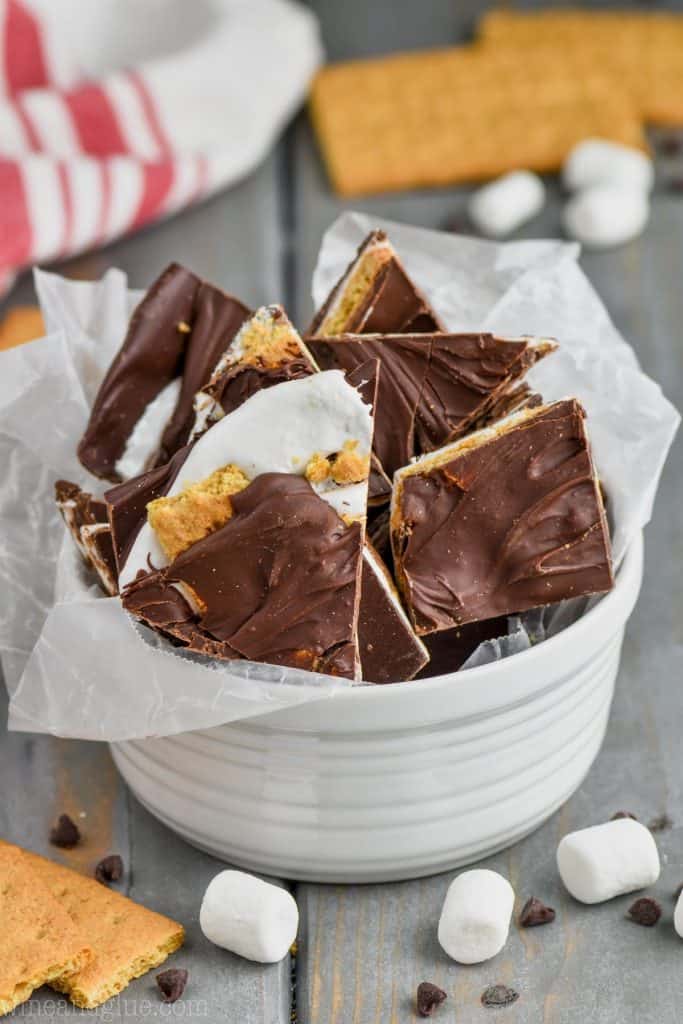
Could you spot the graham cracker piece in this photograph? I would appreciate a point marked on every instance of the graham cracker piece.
(179, 521)
(642, 51)
(38, 940)
(441, 117)
(344, 467)
(23, 323)
(126, 939)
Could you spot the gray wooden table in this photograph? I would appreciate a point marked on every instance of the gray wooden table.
(363, 949)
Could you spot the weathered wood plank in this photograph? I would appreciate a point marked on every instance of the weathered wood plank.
(234, 240)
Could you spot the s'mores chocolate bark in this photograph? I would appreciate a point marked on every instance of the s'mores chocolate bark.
(86, 519)
(390, 652)
(434, 388)
(256, 549)
(509, 518)
(143, 411)
(375, 295)
(266, 350)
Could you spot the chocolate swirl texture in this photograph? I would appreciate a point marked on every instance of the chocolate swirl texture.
(279, 583)
(512, 521)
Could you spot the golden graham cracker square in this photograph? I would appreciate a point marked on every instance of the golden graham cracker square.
(126, 939)
(441, 117)
(38, 940)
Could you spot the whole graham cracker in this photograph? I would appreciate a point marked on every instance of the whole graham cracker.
(38, 940)
(462, 114)
(642, 52)
(126, 939)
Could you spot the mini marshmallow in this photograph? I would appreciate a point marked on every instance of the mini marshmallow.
(606, 215)
(599, 162)
(475, 919)
(605, 861)
(249, 917)
(499, 208)
(678, 915)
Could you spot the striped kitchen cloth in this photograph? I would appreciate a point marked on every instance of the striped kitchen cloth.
(114, 113)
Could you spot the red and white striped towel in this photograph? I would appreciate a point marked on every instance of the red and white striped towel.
(90, 150)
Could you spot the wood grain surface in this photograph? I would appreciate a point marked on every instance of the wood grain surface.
(363, 949)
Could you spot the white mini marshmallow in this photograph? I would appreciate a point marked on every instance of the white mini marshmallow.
(599, 162)
(605, 861)
(605, 215)
(678, 915)
(475, 919)
(249, 917)
(499, 208)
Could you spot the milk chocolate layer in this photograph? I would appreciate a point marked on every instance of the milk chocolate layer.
(179, 328)
(391, 303)
(389, 650)
(86, 520)
(450, 649)
(511, 519)
(404, 362)
(278, 583)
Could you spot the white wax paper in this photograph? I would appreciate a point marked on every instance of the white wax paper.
(76, 665)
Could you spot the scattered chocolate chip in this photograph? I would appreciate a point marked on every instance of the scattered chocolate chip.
(645, 911)
(660, 824)
(65, 833)
(172, 983)
(669, 145)
(499, 995)
(109, 869)
(535, 912)
(429, 998)
(623, 814)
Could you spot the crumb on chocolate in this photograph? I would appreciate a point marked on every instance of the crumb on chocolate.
(200, 509)
(183, 328)
(429, 998)
(66, 833)
(109, 869)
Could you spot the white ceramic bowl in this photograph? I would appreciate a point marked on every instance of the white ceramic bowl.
(391, 782)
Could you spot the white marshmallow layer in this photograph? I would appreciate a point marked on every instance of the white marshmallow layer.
(605, 861)
(275, 431)
(146, 435)
(475, 919)
(249, 917)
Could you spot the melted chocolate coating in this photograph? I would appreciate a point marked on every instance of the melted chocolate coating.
(79, 508)
(510, 524)
(240, 382)
(155, 351)
(404, 363)
(450, 649)
(389, 650)
(467, 374)
(392, 304)
(279, 583)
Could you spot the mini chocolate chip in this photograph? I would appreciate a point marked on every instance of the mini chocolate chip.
(429, 998)
(109, 869)
(661, 823)
(65, 833)
(172, 983)
(623, 814)
(645, 911)
(499, 995)
(669, 145)
(535, 912)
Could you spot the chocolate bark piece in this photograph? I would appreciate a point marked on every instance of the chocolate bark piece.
(389, 650)
(178, 330)
(449, 650)
(127, 503)
(374, 295)
(506, 519)
(85, 517)
(265, 351)
(469, 381)
(404, 363)
(290, 598)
